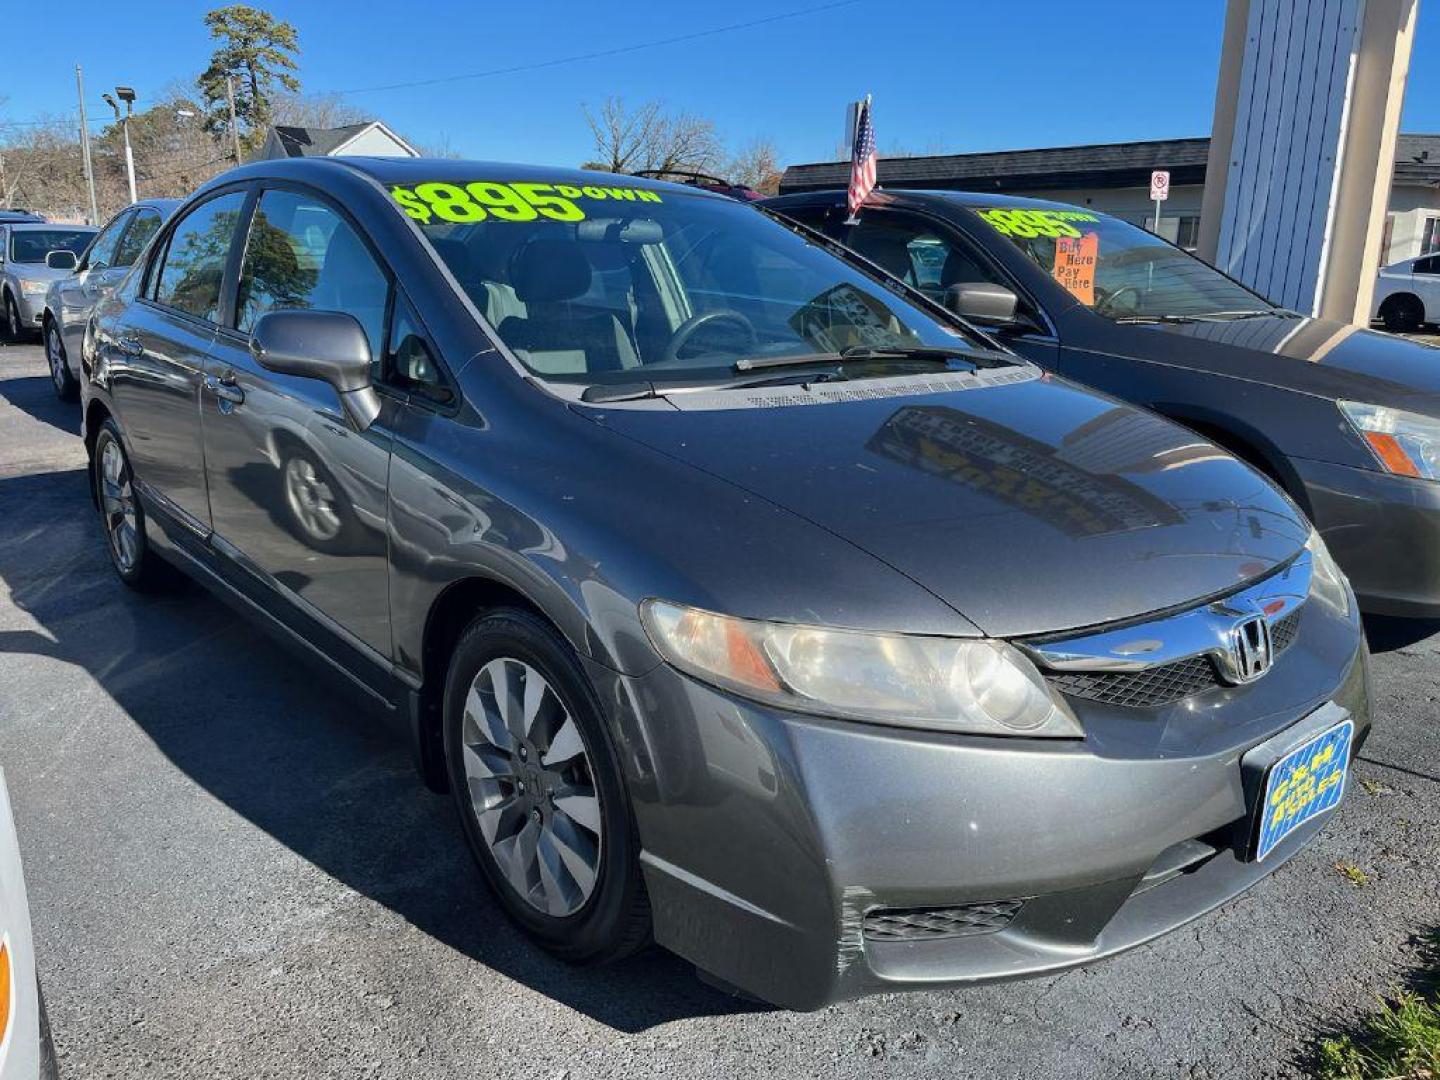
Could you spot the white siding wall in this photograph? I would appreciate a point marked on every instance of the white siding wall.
(1284, 161)
(374, 143)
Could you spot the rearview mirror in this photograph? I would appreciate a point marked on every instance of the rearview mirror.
(61, 260)
(326, 345)
(983, 303)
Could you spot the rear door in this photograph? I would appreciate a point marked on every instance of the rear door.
(298, 496)
(77, 293)
(156, 355)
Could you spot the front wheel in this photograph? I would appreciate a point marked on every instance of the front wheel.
(538, 786)
(1402, 314)
(66, 388)
(11, 330)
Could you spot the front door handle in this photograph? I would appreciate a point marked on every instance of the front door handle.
(224, 388)
(130, 346)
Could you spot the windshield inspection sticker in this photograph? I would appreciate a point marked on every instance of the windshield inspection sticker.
(1027, 224)
(480, 200)
(1075, 261)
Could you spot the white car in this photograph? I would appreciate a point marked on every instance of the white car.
(1408, 294)
(26, 1052)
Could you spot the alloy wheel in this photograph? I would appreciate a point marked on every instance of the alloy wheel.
(531, 785)
(117, 502)
(311, 500)
(55, 354)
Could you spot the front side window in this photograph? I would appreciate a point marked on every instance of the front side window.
(32, 245)
(1429, 265)
(302, 254)
(145, 225)
(917, 254)
(102, 251)
(1118, 270)
(612, 284)
(193, 271)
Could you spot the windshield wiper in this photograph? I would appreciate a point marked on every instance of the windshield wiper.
(602, 393)
(1247, 314)
(1131, 320)
(939, 354)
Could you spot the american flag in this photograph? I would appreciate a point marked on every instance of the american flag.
(862, 160)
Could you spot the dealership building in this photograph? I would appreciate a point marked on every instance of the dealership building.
(1115, 178)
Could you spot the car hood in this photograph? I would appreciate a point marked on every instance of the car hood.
(37, 272)
(1318, 356)
(1027, 504)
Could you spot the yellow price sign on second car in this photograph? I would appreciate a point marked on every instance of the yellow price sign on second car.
(490, 200)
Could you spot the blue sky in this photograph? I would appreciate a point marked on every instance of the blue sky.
(945, 75)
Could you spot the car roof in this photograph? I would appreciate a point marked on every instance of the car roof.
(923, 196)
(48, 226)
(407, 171)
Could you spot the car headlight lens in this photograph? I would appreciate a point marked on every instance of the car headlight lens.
(34, 288)
(1327, 583)
(1406, 443)
(976, 686)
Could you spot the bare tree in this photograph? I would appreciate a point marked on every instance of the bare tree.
(315, 111)
(649, 137)
(757, 166)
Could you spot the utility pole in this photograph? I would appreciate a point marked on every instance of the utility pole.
(234, 127)
(127, 95)
(85, 149)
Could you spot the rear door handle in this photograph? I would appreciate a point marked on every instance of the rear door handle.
(130, 346)
(224, 388)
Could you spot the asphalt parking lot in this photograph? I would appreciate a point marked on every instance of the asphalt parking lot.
(234, 872)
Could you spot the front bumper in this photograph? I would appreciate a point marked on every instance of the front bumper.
(31, 309)
(769, 837)
(1383, 530)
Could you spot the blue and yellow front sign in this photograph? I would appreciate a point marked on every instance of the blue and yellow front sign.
(1303, 784)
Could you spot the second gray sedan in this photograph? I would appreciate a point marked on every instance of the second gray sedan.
(25, 276)
(85, 280)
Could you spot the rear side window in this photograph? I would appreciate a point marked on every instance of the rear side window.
(194, 268)
(145, 225)
(1428, 266)
(301, 253)
(102, 251)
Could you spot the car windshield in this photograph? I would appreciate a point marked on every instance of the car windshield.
(32, 245)
(1120, 271)
(614, 284)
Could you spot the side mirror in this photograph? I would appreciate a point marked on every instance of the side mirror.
(61, 260)
(327, 345)
(983, 303)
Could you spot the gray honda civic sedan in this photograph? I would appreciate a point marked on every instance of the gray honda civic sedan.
(742, 600)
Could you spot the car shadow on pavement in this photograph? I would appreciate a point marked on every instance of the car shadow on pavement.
(293, 754)
(1388, 633)
(35, 395)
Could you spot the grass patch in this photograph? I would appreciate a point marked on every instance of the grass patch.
(1353, 874)
(1400, 1041)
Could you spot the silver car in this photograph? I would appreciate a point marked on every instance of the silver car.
(26, 1049)
(25, 276)
(84, 281)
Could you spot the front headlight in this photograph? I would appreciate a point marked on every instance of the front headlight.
(1327, 583)
(976, 686)
(1406, 443)
(34, 288)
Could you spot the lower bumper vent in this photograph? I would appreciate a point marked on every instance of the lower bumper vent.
(924, 924)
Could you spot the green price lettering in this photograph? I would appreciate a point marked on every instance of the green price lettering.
(482, 200)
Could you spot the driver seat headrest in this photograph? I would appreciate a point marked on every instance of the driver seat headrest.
(549, 271)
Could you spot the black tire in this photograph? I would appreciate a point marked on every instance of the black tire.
(49, 1063)
(138, 567)
(615, 919)
(66, 387)
(10, 329)
(1402, 313)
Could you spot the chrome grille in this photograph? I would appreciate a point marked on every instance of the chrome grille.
(919, 924)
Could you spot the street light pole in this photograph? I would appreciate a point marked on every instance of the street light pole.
(128, 96)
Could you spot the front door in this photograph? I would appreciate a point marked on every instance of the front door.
(156, 354)
(298, 496)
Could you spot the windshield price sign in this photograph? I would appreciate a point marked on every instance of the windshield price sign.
(1075, 261)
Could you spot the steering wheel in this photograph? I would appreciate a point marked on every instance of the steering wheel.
(686, 330)
(1107, 303)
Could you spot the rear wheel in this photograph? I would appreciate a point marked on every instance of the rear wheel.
(1402, 314)
(121, 514)
(537, 783)
(66, 388)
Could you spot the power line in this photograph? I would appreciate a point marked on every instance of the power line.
(602, 53)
